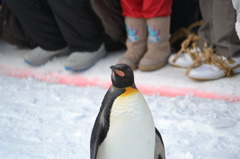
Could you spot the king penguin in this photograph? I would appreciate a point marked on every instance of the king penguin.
(124, 127)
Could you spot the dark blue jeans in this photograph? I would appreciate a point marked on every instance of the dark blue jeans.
(55, 24)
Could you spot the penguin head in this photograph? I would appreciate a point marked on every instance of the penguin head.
(122, 76)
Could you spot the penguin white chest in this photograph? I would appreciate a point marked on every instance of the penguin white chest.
(131, 133)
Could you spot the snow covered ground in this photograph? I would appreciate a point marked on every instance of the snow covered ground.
(41, 120)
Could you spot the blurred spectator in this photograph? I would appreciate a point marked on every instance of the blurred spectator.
(61, 27)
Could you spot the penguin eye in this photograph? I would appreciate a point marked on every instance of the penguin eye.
(119, 73)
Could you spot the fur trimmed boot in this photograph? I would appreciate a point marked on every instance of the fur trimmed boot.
(158, 44)
(136, 42)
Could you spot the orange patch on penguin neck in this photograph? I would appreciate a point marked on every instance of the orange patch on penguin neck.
(129, 91)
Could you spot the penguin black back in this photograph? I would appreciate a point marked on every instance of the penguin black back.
(101, 125)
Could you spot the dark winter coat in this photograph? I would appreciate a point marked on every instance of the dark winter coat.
(110, 13)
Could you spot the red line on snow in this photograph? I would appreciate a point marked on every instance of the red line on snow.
(174, 91)
(82, 81)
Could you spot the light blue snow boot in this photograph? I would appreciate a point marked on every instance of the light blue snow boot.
(39, 56)
(80, 61)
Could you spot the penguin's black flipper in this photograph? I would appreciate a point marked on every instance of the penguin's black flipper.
(159, 146)
(99, 132)
(101, 126)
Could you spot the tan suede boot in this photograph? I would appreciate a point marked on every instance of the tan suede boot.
(136, 42)
(158, 44)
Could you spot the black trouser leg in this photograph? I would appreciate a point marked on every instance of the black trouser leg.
(78, 23)
(38, 22)
(184, 13)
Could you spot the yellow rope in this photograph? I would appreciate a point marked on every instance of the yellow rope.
(183, 33)
(208, 55)
(187, 45)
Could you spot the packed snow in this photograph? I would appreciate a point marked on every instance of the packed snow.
(43, 120)
(40, 120)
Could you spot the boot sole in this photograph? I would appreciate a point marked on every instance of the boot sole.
(177, 66)
(151, 68)
(199, 79)
(86, 68)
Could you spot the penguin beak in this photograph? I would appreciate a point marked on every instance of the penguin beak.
(118, 72)
(113, 67)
